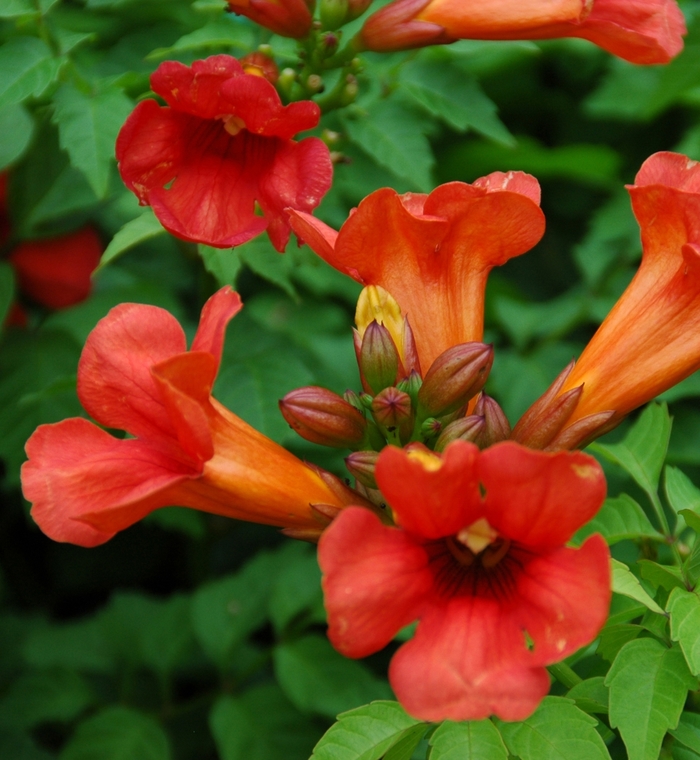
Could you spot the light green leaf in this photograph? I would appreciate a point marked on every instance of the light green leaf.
(118, 733)
(643, 450)
(625, 582)
(11, 8)
(223, 32)
(135, 231)
(688, 731)
(472, 740)
(28, 68)
(684, 608)
(406, 745)
(223, 263)
(619, 519)
(648, 688)
(391, 134)
(591, 695)
(681, 494)
(88, 128)
(17, 129)
(557, 730)
(614, 637)
(318, 679)
(665, 576)
(691, 567)
(365, 733)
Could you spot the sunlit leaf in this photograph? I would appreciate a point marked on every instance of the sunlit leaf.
(471, 740)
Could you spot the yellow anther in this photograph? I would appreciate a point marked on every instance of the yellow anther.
(431, 462)
(376, 304)
(233, 124)
(477, 536)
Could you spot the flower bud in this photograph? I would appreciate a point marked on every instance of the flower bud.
(288, 18)
(260, 65)
(496, 426)
(356, 8)
(464, 429)
(411, 385)
(392, 409)
(536, 431)
(455, 376)
(321, 416)
(580, 433)
(379, 359)
(354, 400)
(333, 13)
(395, 27)
(431, 428)
(361, 464)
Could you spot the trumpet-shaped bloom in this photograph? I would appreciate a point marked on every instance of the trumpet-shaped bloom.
(651, 338)
(433, 253)
(497, 593)
(289, 18)
(136, 374)
(640, 31)
(221, 145)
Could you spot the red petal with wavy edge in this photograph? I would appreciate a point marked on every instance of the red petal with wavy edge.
(185, 382)
(114, 374)
(257, 102)
(78, 472)
(302, 173)
(319, 237)
(217, 312)
(375, 581)
(536, 498)
(196, 89)
(467, 662)
(56, 272)
(432, 497)
(562, 599)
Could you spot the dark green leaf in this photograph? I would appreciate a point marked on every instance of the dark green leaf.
(80, 645)
(7, 289)
(135, 231)
(28, 68)
(591, 695)
(688, 731)
(16, 746)
(648, 688)
(691, 567)
(266, 262)
(619, 519)
(614, 637)
(17, 129)
(471, 740)
(406, 745)
(318, 679)
(224, 32)
(365, 733)
(297, 588)
(666, 576)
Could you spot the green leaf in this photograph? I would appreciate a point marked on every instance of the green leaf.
(28, 68)
(298, 588)
(80, 646)
(88, 128)
(7, 289)
(406, 745)
(619, 519)
(223, 263)
(688, 731)
(223, 32)
(266, 262)
(40, 697)
(390, 133)
(225, 611)
(11, 8)
(135, 231)
(21, 747)
(444, 91)
(365, 733)
(17, 129)
(648, 688)
(614, 637)
(691, 567)
(118, 733)
(625, 582)
(591, 695)
(557, 730)
(643, 450)
(471, 740)
(681, 494)
(261, 724)
(318, 679)
(665, 576)
(684, 608)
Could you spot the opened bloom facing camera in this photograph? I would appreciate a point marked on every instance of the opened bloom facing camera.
(135, 373)
(222, 145)
(497, 593)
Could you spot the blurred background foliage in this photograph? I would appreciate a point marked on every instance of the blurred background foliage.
(189, 636)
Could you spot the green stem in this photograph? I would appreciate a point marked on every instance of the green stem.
(564, 674)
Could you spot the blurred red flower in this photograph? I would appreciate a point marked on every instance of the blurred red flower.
(222, 143)
(497, 593)
(288, 18)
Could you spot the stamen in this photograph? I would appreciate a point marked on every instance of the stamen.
(233, 124)
(495, 553)
(460, 552)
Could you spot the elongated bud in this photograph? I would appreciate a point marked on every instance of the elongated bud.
(362, 464)
(333, 13)
(456, 375)
(542, 429)
(411, 385)
(496, 426)
(356, 8)
(353, 399)
(395, 27)
(321, 416)
(583, 431)
(288, 18)
(392, 409)
(379, 359)
(465, 429)
(260, 65)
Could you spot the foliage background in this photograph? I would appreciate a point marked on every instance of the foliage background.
(193, 637)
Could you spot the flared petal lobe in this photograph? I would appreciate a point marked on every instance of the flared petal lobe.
(433, 253)
(222, 145)
(640, 31)
(651, 338)
(135, 373)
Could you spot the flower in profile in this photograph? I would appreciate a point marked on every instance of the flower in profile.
(432, 253)
(651, 338)
(288, 18)
(640, 31)
(497, 593)
(187, 449)
(221, 145)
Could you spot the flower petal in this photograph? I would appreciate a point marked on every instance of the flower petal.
(562, 599)
(86, 485)
(431, 497)
(539, 498)
(217, 312)
(114, 374)
(467, 662)
(375, 580)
